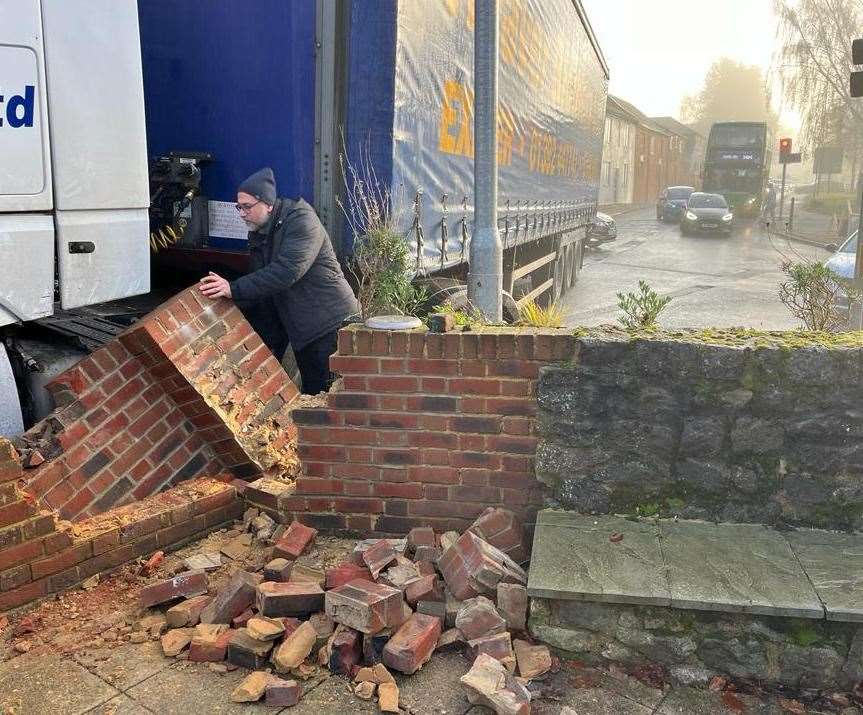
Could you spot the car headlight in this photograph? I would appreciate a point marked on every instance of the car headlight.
(750, 201)
(728, 217)
(691, 216)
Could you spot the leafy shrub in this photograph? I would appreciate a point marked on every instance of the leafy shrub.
(641, 309)
(812, 292)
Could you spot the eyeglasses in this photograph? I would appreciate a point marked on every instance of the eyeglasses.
(245, 208)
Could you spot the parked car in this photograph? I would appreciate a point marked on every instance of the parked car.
(672, 202)
(842, 263)
(706, 213)
(601, 229)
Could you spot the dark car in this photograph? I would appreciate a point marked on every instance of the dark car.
(672, 202)
(706, 213)
(601, 229)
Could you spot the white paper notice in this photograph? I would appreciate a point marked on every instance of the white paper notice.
(225, 222)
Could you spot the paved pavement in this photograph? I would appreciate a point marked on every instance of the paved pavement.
(137, 680)
(713, 281)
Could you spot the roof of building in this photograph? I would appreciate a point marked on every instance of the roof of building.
(621, 108)
(672, 125)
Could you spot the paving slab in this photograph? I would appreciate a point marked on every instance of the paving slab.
(574, 558)
(435, 688)
(735, 567)
(692, 701)
(126, 665)
(185, 688)
(40, 685)
(834, 564)
(121, 705)
(334, 695)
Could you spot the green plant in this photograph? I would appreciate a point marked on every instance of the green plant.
(812, 292)
(536, 316)
(464, 317)
(641, 309)
(381, 262)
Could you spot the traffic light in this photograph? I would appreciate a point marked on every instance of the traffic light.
(784, 146)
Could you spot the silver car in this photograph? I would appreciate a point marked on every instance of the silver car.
(842, 263)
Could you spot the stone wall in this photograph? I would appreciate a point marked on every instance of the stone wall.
(733, 426)
(696, 645)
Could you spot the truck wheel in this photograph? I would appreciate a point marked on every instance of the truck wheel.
(448, 291)
(11, 419)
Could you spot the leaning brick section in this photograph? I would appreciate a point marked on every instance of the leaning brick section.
(159, 405)
(38, 559)
(424, 429)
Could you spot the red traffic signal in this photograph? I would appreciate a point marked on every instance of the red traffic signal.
(785, 146)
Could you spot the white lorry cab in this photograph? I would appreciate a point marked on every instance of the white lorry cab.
(74, 193)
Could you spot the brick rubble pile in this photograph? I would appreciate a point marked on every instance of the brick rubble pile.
(385, 609)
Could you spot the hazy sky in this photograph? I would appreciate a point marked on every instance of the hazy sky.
(659, 50)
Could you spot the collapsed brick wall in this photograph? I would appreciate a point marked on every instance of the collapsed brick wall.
(187, 390)
(423, 429)
(40, 555)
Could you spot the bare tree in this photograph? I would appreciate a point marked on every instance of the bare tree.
(813, 63)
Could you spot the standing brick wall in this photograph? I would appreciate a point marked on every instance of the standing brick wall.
(161, 404)
(424, 429)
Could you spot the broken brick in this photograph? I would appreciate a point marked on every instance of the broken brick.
(186, 613)
(175, 642)
(295, 648)
(502, 529)
(346, 650)
(472, 567)
(413, 643)
(323, 624)
(427, 553)
(243, 619)
(365, 606)
(478, 617)
(265, 629)
(188, 583)
(282, 693)
(447, 539)
(290, 624)
(425, 588)
(343, 573)
(365, 690)
(425, 568)
(433, 608)
(294, 541)
(399, 546)
(374, 644)
(308, 574)
(233, 598)
(498, 646)
(399, 576)
(246, 651)
(449, 638)
(489, 683)
(533, 660)
(210, 649)
(377, 674)
(252, 688)
(512, 604)
(294, 598)
(421, 536)
(278, 570)
(378, 556)
(388, 698)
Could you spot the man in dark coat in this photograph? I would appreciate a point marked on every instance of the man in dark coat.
(296, 293)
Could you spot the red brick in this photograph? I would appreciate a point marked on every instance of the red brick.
(472, 566)
(365, 606)
(512, 605)
(425, 588)
(344, 573)
(19, 596)
(359, 506)
(62, 560)
(403, 491)
(350, 365)
(413, 643)
(231, 600)
(295, 541)
(498, 646)
(435, 475)
(346, 651)
(378, 556)
(13, 555)
(210, 650)
(477, 617)
(15, 512)
(294, 598)
(188, 583)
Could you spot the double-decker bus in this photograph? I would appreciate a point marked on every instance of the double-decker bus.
(737, 164)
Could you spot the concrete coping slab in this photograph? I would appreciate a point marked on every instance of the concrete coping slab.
(743, 568)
